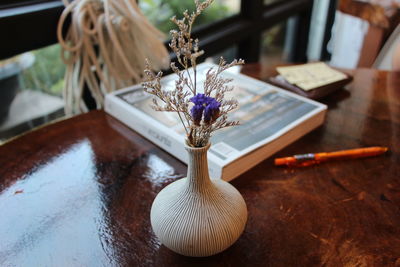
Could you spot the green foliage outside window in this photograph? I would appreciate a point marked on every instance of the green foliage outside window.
(46, 73)
(159, 12)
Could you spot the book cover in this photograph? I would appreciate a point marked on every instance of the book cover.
(270, 119)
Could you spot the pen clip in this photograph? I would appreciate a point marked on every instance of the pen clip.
(304, 157)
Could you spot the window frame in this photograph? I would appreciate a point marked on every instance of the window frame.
(29, 27)
(33, 26)
(7, 4)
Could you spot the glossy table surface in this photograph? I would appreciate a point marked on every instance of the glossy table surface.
(78, 192)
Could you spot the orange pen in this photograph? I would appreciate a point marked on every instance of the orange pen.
(314, 158)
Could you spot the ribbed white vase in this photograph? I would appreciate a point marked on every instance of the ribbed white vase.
(196, 216)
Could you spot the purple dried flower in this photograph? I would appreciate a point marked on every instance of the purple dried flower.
(200, 99)
(206, 104)
(197, 113)
(211, 111)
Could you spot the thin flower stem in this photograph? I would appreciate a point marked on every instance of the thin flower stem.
(193, 89)
(195, 79)
(184, 126)
(186, 67)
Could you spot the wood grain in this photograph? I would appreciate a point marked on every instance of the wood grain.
(79, 192)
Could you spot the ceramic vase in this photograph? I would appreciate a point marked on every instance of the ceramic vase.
(198, 216)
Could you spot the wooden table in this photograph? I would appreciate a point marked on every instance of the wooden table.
(78, 192)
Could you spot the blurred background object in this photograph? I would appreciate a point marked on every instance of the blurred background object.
(28, 92)
(105, 48)
(361, 30)
(389, 56)
(9, 82)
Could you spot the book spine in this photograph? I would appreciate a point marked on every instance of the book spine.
(134, 120)
(152, 131)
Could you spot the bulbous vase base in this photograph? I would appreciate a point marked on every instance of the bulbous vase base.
(198, 221)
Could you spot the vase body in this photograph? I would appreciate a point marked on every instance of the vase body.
(196, 216)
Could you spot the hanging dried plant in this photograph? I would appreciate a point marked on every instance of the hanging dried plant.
(105, 48)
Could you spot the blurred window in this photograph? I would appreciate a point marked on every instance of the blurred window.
(30, 90)
(275, 43)
(159, 12)
(15, 3)
(267, 2)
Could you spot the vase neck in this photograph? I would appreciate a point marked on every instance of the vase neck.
(197, 174)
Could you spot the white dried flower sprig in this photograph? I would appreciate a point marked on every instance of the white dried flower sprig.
(200, 113)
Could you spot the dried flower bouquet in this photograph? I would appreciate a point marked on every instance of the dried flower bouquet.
(200, 111)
